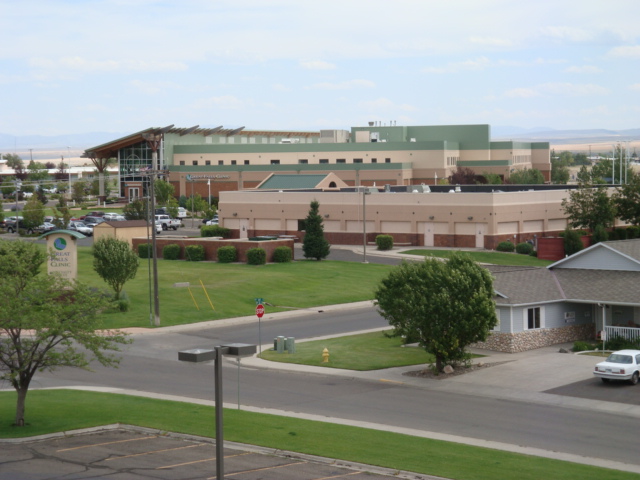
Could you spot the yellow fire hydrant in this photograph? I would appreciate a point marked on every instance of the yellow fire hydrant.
(325, 356)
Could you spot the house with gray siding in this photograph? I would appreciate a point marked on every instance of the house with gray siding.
(593, 293)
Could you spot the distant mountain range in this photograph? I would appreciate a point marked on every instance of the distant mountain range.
(81, 141)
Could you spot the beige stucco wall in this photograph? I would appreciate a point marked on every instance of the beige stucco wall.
(127, 234)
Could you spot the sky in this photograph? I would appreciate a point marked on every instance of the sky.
(79, 66)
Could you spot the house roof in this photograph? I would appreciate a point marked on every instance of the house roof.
(629, 249)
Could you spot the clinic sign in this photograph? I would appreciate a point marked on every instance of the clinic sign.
(63, 254)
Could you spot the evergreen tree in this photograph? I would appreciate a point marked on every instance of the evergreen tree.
(314, 244)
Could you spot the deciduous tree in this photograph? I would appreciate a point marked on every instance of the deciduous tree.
(445, 305)
(115, 261)
(627, 200)
(46, 322)
(589, 206)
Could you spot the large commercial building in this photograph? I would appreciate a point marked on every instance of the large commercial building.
(209, 161)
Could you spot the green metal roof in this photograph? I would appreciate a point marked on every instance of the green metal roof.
(287, 182)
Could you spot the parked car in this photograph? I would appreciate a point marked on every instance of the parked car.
(81, 227)
(92, 221)
(620, 365)
(213, 221)
(10, 224)
(167, 222)
(45, 227)
(113, 217)
(182, 212)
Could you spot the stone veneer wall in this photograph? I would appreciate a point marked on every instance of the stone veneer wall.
(532, 339)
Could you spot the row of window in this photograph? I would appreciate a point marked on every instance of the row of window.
(452, 161)
(521, 159)
(277, 162)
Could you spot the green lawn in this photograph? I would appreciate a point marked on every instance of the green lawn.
(51, 411)
(233, 288)
(368, 351)
(495, 258)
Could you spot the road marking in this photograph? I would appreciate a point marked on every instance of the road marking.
(152, 452)
(391, 381)
(201, 461)
(260, 469)
(107, 443)
(339, 476)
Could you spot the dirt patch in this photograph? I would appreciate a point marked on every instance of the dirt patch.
(428, 373)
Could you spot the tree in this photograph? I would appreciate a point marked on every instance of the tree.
(62, 213)
(33, 213)
(14, 161)
(445, 305)
(572, 241)
(37, 172)
(314, 244)
(627, 200)
(46, 321)
(492, 178)
(164, 191)
(136, 210)
(115, 261)
(78, 191)
(463, 176)
(529, 176)
(589, 206)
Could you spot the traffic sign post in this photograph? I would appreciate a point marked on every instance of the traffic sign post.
(259, 313)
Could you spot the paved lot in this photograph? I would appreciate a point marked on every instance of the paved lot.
(122, 453)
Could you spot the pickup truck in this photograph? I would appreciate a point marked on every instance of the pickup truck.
(167, 222)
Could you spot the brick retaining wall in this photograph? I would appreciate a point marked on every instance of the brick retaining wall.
(532, 339)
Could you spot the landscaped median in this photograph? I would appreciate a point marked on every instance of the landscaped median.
(53, 411)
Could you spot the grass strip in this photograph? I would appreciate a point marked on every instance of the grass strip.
(50, 411)
(494, 258)
(367, 351)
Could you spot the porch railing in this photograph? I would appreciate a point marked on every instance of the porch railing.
(630, 333)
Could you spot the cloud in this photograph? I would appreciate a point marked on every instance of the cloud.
(152, 88)
(492, 41)
(346, 85)
(635, 86)
(228, 102)
(571, 34)
(558, 89)
(632, 51)
(583, 69)
(85, 65)
(317, 65)
(384, 104)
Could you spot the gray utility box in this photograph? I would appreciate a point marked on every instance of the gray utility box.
(197, 355)
(282, 344)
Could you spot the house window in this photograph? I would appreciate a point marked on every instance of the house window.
(357, 160)
(220, 162)
(324, 160)
(207, 162)
(387, 160)
(181, 162)
(341, 160)
(233, 162)
(533, 318)
(275, 162)
(246, 162)
(194, 162)
(303, 161)
(374, 160)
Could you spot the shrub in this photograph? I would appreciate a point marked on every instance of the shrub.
(622, 233)
(256, 256)
(384, 242)
(524, 248)
(171, 251)
(215, 231)
(632, 232)
(282, 254)
(618, 342)
(144, 250)
(572, 242)
(227, 254)
(582, 346)
(599, 235)
(194, 253)
(505, 247)
(612, 235)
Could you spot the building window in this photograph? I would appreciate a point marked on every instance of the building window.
(207, 162)
(275, 162)
(324, 160)
(341, 160)
(194, 162)
(303, 160)
(534, 318)
(387, 160)
(357, 160)
(374, 160)
(233, 162)
(220, 162)
(246, 162)
(181, 162)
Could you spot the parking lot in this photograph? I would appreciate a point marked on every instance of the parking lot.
(136, 454)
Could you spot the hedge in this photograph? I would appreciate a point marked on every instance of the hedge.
(215, 231)
(282, 254)
(194, 253)
(171, 251)
(227, 254)
(384, 242)
(505, 247)
(256, 256)
(144, 250)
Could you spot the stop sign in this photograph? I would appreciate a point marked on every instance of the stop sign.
(260, 310)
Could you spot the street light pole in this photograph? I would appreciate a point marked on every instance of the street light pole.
(364, 224)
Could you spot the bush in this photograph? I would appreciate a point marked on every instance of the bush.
(256, 256)
(524, 248)
(171, 251)
(572, 242)
(194, 253)
(144, 250)
(632, 232)
(505, 247)
(215, 231)
(599, 235)
(384, 242)
(583, 346)
(282, 254)
(612, 235)
(227, 254)
(618, 342)
(622, 233)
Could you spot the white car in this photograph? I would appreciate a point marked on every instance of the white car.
(620, 365)
(81, 227)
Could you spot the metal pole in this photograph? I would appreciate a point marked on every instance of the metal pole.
(218, 404)
(364, 225)
(156, 297)
(613, 167)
